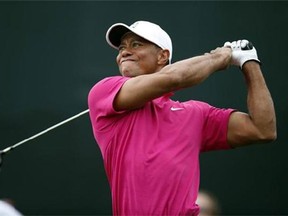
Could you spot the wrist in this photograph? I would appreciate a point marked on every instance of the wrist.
(250, 65)
(221, 60)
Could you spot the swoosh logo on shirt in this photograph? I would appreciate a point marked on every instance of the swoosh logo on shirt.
(176, 108)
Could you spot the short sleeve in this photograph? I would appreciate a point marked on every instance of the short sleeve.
(215, 129)
(101, 97)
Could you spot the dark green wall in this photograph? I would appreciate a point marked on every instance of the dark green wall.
(51, 54)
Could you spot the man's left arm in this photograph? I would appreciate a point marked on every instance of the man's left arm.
(259, 125)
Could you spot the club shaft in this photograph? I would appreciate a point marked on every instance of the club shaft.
(44, 131)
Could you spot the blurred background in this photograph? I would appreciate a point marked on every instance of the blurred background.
(52, 53)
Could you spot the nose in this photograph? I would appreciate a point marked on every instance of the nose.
(125, 52)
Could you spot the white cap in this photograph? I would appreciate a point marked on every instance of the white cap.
(147, 30)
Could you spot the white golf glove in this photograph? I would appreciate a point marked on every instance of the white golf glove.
(241, 52)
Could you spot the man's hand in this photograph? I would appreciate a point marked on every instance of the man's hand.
(241, 52)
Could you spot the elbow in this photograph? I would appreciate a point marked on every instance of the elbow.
(269, 136)
(268, 133)
(272, 137)
(272, 133)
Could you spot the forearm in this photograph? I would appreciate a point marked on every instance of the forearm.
(192, 71)
(259, 101)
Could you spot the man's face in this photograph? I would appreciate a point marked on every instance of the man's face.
(137, 56)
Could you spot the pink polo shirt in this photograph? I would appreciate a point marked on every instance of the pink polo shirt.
(151, 155)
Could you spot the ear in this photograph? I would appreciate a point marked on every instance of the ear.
(163, 57)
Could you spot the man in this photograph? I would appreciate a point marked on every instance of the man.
(150, 143)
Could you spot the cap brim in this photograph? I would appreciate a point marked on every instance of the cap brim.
(115, 33)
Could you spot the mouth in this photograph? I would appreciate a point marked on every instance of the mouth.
(126, 60)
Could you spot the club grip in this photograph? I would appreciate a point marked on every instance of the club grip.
(249, 46)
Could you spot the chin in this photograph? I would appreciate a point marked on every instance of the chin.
(128, 73)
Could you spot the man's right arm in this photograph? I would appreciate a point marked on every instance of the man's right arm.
(182, 74)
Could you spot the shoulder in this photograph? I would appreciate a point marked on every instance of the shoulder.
(110, 81)
(107, 84)
(102, 94)
(207, 109)
(198, 105)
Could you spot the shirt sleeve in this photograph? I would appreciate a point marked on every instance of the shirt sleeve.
(100, 100)
(215, 129)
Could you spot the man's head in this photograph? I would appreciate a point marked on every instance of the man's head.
(136, 41)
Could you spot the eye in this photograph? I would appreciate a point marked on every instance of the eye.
(136, 44)
(120, 48)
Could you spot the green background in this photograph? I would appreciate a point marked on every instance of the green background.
(52, 53)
